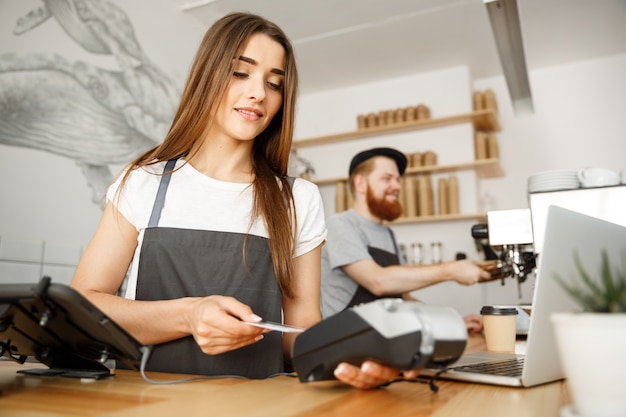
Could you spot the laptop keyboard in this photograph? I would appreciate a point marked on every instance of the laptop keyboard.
(506, 367)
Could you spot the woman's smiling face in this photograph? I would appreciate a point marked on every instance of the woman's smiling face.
(255, 91)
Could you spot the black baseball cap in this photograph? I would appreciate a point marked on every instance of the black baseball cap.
(363, 156)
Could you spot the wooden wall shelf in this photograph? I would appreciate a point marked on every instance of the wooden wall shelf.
(482, 120)
(441, 218)
(485, 120)
(485, 168)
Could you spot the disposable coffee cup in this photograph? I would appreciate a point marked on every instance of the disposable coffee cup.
(500, 325)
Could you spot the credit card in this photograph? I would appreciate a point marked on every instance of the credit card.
(278, 327)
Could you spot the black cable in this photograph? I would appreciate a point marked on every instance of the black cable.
(430, 380)
(147, 350)
(145, 355)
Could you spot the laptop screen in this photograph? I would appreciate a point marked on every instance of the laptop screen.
(567, 233)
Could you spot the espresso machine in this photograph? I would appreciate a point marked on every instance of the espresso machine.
(507, 242)
(512, 240)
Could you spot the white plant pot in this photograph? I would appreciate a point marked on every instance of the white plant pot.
(592, 350)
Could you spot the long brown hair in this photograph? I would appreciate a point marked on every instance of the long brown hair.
(208, 80)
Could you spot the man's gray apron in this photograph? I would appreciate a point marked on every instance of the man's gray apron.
(382, 258)
(176, 263)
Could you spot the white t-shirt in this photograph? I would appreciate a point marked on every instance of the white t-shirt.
(196, 201)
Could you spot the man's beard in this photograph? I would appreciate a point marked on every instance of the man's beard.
(382, 208)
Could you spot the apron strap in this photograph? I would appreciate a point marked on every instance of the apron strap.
(395, 245)
(159, 201)
(382, 258)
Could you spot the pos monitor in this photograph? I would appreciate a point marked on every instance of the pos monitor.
(53, 324)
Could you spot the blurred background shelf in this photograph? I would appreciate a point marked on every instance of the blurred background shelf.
(441, 218)
(485, 120)
(485, 168)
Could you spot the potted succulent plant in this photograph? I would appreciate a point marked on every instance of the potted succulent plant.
(592, 342)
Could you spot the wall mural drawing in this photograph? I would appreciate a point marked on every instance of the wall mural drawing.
(96, 116)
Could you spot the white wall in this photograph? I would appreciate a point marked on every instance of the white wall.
(578, 122)
(47, 215)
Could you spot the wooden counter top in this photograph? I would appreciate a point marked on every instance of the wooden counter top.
(128, 395)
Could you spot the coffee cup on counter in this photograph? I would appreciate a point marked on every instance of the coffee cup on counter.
(500, 324)
(598, 177)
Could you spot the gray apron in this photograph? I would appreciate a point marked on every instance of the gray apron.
(177, 263)
(382, 258)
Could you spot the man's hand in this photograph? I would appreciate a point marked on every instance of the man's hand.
(467, 272)
(370, 374)
(473, 323)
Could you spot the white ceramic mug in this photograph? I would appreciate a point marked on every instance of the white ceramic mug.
(598, 177)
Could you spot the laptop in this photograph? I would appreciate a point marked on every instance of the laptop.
(566, 232)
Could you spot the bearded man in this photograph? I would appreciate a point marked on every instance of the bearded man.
(360, 260)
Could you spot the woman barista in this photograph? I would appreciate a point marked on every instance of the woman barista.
(214, 232)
